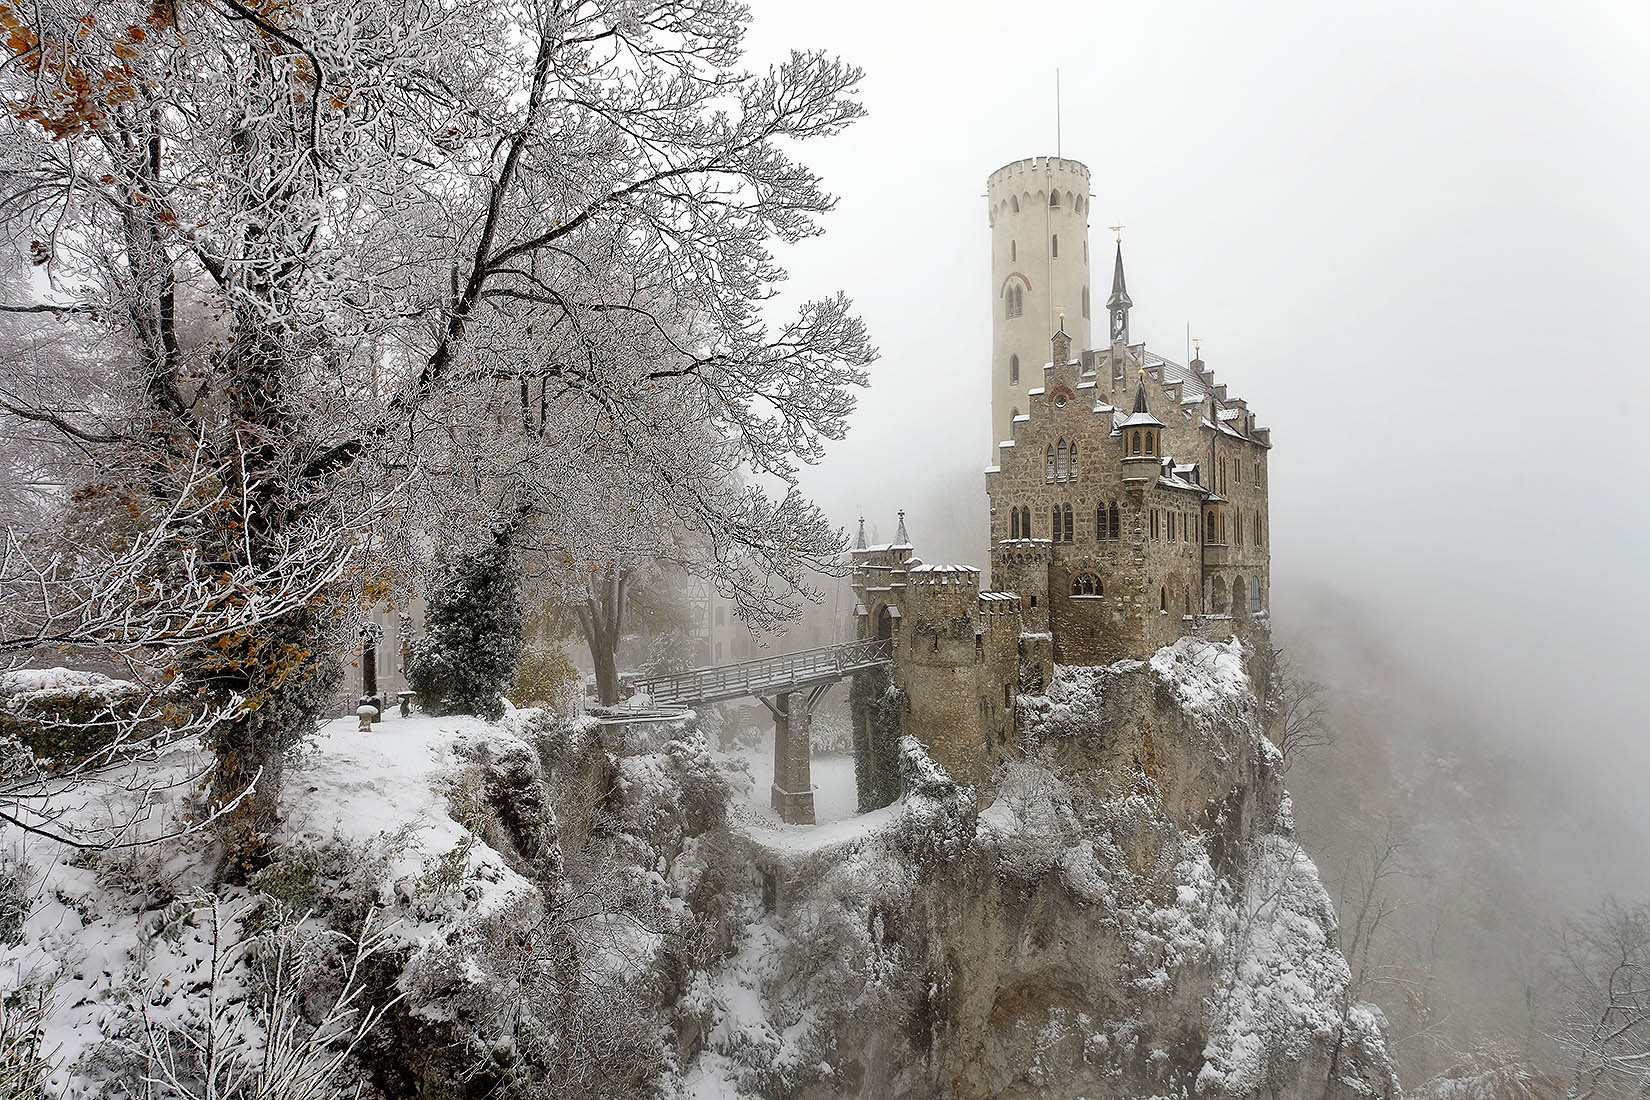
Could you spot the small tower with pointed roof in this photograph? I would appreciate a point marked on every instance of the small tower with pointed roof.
(1142, 439)
(1119, 302)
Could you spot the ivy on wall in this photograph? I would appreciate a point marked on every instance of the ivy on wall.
(876, 702)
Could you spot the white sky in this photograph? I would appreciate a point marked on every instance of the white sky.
(1413, 235)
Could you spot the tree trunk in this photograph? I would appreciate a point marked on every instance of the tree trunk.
(602, 620)
(607, 673)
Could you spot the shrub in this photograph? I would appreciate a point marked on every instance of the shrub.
(467, 658)
(14, 902)
(24, 1064)
(546, 678)
(63, 717)
(668, 655)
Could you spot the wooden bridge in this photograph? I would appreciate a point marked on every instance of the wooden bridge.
(789, 685)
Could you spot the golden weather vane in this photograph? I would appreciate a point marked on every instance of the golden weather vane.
(1118, 229)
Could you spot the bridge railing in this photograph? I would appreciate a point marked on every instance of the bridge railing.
(765, 674)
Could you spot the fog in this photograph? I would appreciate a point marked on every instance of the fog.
(1413, 236)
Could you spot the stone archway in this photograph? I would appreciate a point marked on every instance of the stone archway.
(885, 624)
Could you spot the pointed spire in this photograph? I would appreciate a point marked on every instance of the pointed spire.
(1140, 395)
(900, 537)
(1119, 302)
(1119, 292)
(859, 540)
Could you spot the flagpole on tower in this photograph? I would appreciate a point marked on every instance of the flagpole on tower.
(1057, 112)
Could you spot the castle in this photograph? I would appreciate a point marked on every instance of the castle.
(1128, 498)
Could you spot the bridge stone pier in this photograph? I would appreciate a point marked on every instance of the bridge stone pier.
(793, 783)
(790, 686)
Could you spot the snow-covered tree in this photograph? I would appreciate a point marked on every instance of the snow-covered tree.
(323, 240)
(466, 660)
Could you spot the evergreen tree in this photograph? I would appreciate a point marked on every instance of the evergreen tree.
(467, 659)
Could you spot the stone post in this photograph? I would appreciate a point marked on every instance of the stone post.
(370, 633)
(793, 788)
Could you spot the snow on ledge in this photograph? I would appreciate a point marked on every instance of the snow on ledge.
(1202, 673)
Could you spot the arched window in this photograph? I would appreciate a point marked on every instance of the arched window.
(1061, 468)
(1085, 301)
(1258, 540)
(1048, 464)
(1065, 514)
(1163, 600)
(1135, 443)
(1054, 198)
(1188, 603)
(1013, 251)
(1239, 604)
(1087, 584)
(1100, 522)
(1217, 596)
(1054, 245)
(1071, 470)
(1025, 521)
(1077, 204)
(1113, 524)
(1085, 252)
(1254, 594)
(1151, 444)
(1014, 373)
(1220, 479)
(1013, 523)
(1015, 202)
(1054, 523)
(1211, 536)
(1237, 528)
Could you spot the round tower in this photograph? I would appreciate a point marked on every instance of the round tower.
(1038, 210)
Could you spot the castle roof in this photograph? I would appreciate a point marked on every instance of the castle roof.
(1174, 477)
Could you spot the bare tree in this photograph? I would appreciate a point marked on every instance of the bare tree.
(1604, 974)
(1299, 713)
(1366, 903)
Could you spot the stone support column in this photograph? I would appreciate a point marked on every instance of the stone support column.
(792, 792)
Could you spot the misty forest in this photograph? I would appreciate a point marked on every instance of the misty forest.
(683, 548)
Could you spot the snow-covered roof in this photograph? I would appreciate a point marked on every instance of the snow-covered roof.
(938, 568)
(1141, 420)
(1172, 480)
(998, 597)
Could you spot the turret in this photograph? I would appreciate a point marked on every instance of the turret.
(1038, 210)
(1142, 439)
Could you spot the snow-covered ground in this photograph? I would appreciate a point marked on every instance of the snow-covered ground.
(110, 931)
(836, 799)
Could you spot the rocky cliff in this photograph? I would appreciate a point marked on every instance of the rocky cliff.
(581, 911)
